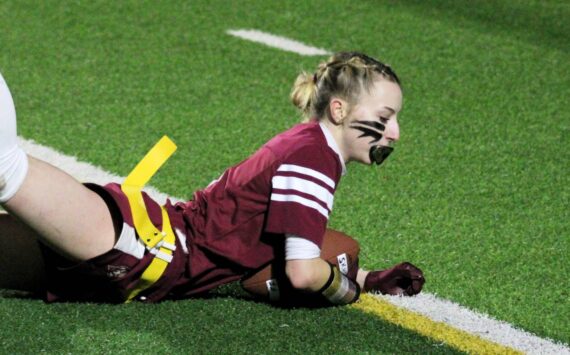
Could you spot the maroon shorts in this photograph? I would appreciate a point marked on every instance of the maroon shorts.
(111, 276)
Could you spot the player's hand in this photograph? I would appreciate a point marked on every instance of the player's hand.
(402, 279)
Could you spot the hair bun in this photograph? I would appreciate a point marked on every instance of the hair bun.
(303, 92)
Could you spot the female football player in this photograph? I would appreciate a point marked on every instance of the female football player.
(274, 204)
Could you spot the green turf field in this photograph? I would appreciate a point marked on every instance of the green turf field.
(477, 192)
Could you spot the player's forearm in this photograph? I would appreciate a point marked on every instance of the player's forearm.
(308, 275)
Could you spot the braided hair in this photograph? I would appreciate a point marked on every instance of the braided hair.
(344, 75)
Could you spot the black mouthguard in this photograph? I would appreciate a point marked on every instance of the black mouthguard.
(379, 153)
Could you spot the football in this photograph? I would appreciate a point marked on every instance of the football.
(338, 249)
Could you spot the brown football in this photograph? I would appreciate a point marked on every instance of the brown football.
(338, 249)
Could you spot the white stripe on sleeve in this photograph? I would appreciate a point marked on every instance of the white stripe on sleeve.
(301, 200)
(305, 186)
(306, 171)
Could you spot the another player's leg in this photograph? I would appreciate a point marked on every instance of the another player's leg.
(66, 215)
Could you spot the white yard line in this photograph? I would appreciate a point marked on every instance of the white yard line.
(479, 324)
(82, 171)
(427, 304)
(279, 42)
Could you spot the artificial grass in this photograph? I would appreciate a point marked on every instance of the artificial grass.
(222, 325)
(476, 194)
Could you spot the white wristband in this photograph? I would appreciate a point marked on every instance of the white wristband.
(300, 248)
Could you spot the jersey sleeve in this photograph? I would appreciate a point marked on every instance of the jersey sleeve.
(302, 191)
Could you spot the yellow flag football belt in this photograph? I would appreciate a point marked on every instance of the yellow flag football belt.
(161, 243)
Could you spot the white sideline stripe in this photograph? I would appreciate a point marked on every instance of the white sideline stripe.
(279, 42)
(82, 171)
(301, 200)
(427, 304)
(482, 325)
(305, 186)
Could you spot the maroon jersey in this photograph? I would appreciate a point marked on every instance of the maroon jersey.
(233, 226)
(237, 223)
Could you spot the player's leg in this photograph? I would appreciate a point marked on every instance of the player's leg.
(66, 215)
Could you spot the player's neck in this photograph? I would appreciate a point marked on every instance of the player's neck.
(336, 133)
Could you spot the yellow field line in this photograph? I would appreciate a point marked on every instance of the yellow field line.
(435, 330)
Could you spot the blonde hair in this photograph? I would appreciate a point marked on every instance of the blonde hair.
(343, 75)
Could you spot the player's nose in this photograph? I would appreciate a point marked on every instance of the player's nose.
(392, 132)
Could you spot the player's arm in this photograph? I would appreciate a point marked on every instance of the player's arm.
(306, 269)
(318, 277)
(307, 272)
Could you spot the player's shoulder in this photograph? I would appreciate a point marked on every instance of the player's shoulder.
(306, 146)
(299, 136)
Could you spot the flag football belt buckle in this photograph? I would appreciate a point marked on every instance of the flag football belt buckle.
(161, 243)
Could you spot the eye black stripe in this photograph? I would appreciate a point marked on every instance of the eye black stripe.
(379, 126)
(367, 132)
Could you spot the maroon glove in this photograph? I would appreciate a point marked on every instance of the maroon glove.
(402, 279)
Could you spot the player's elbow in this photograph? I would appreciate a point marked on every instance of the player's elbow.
(303, 280)
(304, 275)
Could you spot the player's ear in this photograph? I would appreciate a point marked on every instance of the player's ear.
(338, 110)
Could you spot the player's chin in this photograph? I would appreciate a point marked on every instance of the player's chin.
(365, 161)
(362, 161)
(364, 158)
